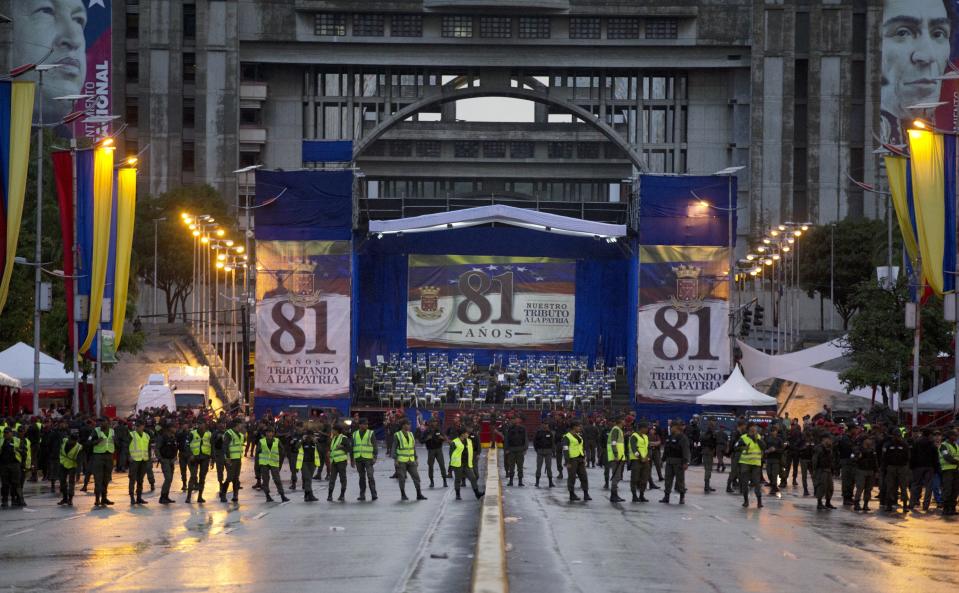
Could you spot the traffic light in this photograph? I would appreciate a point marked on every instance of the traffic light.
(747, 322)
(758, 316)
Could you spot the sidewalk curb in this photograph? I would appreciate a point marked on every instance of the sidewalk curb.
(489, 565)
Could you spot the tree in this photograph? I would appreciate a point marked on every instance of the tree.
(857, 247)
(174, 243)
(880, 346)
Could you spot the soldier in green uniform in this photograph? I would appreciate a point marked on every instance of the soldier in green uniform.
(364, 453)
(103, 448)
(615, 457)
(639, 461)
(404, 454)
(339, 454)
(748, 453)
(461, 460)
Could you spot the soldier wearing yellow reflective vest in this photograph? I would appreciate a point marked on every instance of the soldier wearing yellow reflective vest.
(307, 460)
(949, 464)
(69, 454)
(750, 448)
(640, 462)
(10, 462)
(364, 453)
(104, 444)
(234, 443)
(461, 460)
(269, 452)
(338, 456)
(139, 460)
(201, 449)
(616, 457)
(575, 458)
(404, 454)
(26, 455)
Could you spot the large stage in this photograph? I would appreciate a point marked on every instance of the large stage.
(494, 305)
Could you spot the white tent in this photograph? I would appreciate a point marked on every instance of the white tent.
(937, 399)
(17, 361)
(8, 381)
(736, 391)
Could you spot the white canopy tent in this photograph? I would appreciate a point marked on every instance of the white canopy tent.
(736, 391)
(8, 381)
(498, 213)
(937, 399)
(17, 362)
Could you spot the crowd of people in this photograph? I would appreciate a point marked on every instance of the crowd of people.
(74, 451)
(910, 468)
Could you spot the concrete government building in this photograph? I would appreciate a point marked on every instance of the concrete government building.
(788, 88)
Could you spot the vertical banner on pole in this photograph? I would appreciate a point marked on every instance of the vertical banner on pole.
(684, 344)
(303, 294)
(16, 113)
(126, 209)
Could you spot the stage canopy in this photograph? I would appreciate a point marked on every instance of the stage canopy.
(937, 399)
(17, 362)
(736, 391)
(498, 213)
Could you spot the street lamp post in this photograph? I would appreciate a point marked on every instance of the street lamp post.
(156, 232)
(730, 210)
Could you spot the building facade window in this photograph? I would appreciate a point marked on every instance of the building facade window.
(133, 67)
(406, 25)
(622, 28)
(401, 148)
(189, 112)
(560, 150)
(189, 157)
(534, 27)
(584, 27)
(133, 25)
(465, 149)
(329, 24)
(587, 150)
(189, 67)
(132, 113)
(662, 29)
(457, 26)
(189, 21)
(494, 150)
(496, 27)
(521, 150)
(368, 25)
(428, 148)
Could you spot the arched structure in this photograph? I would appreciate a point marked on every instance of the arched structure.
(450, 93)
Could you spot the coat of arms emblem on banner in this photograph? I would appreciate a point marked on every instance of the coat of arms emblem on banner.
(302, 284)
(688, 297)
(429, 307)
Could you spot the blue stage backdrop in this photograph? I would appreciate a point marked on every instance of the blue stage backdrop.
(304, 344)
(603, 292)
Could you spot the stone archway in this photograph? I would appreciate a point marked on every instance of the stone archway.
(449, 93)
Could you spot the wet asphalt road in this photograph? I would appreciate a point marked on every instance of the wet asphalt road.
(713, 544)
(384, 546)
(709, 544)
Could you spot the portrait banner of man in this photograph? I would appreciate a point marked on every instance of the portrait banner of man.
(917, 47)
(76, 37)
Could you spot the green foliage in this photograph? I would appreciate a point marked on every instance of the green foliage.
(880, 346)
(858, 246)
(174, 243)
(16, 321)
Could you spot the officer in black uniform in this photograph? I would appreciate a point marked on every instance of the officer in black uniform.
(676, 455)
(433, 439)
(708, 440)
(545, 447)
(515, 441)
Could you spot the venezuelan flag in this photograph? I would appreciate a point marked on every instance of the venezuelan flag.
(16, 116)
(933, 168)
(126, 202)
(95, 196)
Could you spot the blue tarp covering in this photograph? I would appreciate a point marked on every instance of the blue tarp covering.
(603, 293)
(327, 151)
(281, 404)
(671, 212)
(304, 205)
